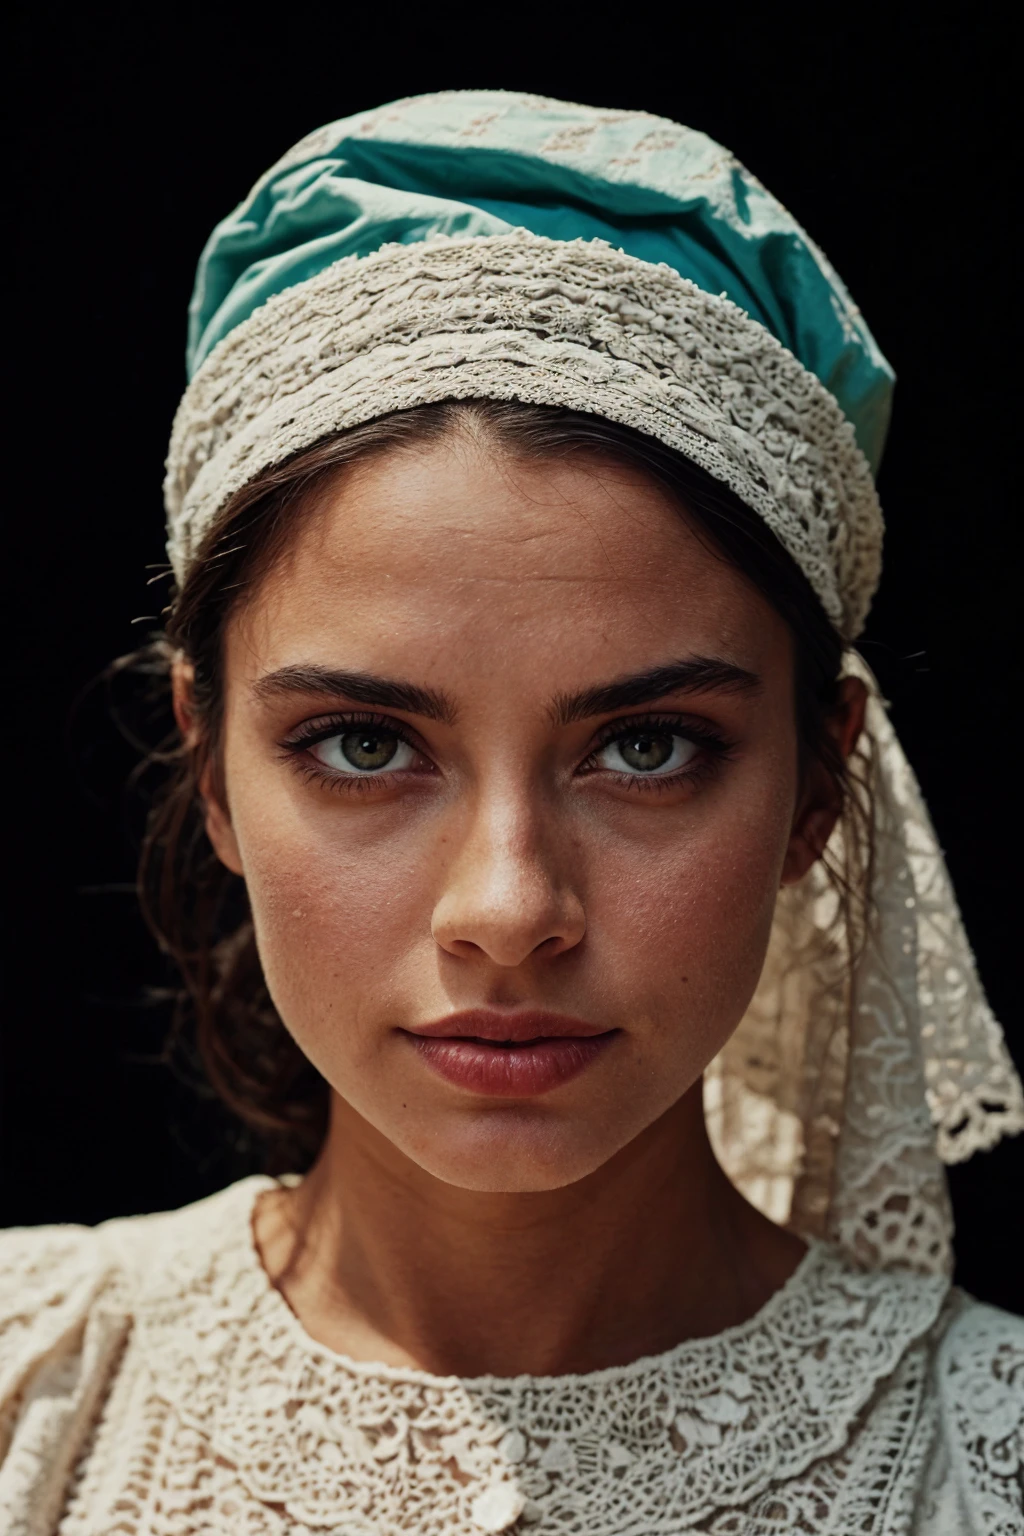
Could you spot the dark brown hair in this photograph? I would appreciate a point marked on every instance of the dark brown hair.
(196, 907)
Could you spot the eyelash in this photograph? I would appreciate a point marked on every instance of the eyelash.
(715, 749)
(313, 731)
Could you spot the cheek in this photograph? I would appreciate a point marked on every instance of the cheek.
(687, 924)
(339, 918)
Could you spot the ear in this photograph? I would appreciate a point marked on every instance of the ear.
(183, 678)
(821, 802)
(218, 820)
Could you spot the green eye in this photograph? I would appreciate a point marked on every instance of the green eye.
(366, 749)
(647, 752)
(644, 754)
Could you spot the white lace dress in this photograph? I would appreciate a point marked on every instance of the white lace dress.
(154, 1383)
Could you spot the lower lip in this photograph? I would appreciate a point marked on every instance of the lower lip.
(511, 1071)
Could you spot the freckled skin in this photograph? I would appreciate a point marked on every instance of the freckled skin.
(501, 874)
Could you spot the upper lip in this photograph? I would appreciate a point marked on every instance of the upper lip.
(496, 1024)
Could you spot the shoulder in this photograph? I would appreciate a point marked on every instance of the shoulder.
(36, 1260)
(49, 1277)
(56, 1281)
(978, 1374)
(72, 1299)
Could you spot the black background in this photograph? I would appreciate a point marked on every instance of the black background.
(137, 128)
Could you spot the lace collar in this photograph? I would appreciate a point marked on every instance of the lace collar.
(368, 1448)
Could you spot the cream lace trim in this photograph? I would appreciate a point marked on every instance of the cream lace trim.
(866, 1060)
(654, 1446)
(518, 316)
(153, 1383)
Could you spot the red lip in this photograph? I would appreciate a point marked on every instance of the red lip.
(509, 1055)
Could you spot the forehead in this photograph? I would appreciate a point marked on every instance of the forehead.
(458, 555)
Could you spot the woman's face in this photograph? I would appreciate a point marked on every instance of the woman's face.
(510, 771)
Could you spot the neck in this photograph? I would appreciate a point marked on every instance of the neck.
(382, 1261)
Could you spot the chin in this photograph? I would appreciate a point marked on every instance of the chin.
(517, 1149)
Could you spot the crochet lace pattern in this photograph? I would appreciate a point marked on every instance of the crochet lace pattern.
(194, 1402)
(518, 316)
(853, 1077)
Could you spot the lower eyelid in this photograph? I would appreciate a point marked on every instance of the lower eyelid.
(314, 772)
(701, 772)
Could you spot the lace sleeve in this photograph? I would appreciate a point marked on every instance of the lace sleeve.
(61, 1326)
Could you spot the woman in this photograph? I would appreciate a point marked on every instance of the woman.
(573, 927)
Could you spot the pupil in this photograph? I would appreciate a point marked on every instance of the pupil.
(647, 752)
(367, 751)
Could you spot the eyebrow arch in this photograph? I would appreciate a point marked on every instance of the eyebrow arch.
(358, 688)
(697, 674)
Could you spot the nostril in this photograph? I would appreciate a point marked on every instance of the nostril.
(555, 944)
(507, 921)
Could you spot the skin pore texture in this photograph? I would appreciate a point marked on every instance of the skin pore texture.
(532, 842)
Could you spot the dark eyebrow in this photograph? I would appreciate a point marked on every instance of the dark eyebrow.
(698, 674)
(358, 688)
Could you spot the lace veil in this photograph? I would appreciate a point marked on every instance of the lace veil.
(868, 1056)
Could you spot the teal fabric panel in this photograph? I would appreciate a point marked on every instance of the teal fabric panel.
(482, 162)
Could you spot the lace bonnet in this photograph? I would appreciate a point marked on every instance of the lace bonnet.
(488, 244)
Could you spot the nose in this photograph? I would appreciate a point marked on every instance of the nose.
(506, 894)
